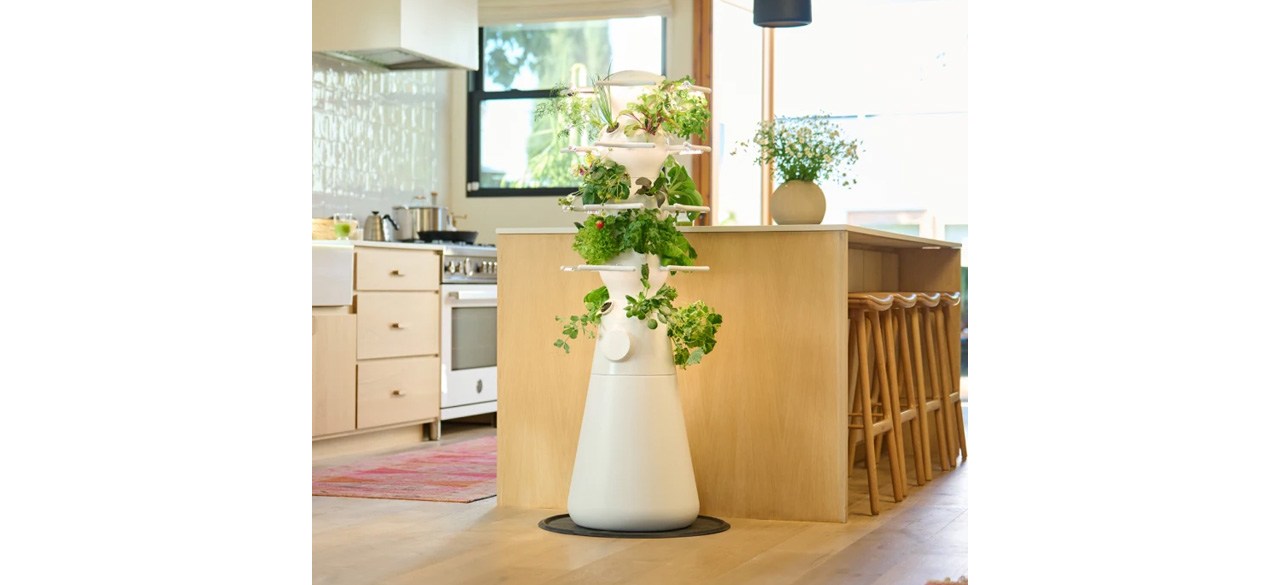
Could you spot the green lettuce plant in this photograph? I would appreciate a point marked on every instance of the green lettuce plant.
(644, 231)
(673, 185)
(603, 181)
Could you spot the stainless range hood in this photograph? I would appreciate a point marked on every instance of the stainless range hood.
(398, 34)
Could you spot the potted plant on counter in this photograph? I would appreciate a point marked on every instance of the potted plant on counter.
(803, 151)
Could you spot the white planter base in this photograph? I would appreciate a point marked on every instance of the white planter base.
(633, 471)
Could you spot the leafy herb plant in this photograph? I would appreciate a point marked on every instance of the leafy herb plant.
(677, 109)
(603, 181)
(691, 329)
(586, 323)
(604, 236)
(673, 106)
(589, 115)
(673, 185)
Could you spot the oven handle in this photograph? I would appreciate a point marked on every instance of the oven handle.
(467, 295)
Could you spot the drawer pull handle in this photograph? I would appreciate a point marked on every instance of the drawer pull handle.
(399, 326)
(397, 393)
(397, 273)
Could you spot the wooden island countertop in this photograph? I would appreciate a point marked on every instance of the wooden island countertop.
(766, 412)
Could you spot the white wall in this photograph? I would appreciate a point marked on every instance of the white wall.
(378, 138)
(486, 214)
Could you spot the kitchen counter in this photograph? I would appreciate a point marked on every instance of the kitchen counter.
(766, 412)
(856, 234)
(370, 244)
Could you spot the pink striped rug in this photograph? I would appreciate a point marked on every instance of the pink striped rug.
(461, 472)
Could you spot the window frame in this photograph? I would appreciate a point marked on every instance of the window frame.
(476, 94)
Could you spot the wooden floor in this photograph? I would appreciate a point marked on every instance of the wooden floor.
(364, 541)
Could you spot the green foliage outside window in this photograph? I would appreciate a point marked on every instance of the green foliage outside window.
(553, 52)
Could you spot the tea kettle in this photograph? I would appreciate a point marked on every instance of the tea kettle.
(379, 228)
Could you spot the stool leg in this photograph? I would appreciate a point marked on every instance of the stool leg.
(948, 384)
(853, 392)
(941, 390)
(952, 323)
(895, 398)
(932, 385)
(921, 394)
(918, 445)
(864, 396)
(890, 406)
(895, 467)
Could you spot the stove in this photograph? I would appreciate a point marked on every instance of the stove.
(469, 264)
(468, 329)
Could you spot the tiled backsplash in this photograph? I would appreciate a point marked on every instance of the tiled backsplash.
(376, 138)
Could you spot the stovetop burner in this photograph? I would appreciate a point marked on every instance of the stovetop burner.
(453, 243)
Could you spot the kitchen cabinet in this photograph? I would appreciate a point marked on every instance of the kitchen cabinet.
(394, 269)
(398, 390)
(399, 34)
(333, 373)
(394, 324)
(397, 300)
(375, 362)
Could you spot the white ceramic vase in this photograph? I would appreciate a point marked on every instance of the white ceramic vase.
(633, 471)
(797, 202)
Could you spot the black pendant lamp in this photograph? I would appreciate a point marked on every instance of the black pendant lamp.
(782, 13)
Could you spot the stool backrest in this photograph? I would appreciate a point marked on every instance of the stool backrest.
(871, 301)
(929, 300)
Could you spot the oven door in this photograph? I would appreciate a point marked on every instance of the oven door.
(468, 347)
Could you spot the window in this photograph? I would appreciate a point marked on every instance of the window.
(736, 63)
(958, 233)
(911, 222)
(508, 152)
(893, 76)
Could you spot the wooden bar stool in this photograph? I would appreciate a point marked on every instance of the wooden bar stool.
(907, 405)
(932, 396)
(952, 374)
(870, 406)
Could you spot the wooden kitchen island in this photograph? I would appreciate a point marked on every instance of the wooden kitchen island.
(766, 412)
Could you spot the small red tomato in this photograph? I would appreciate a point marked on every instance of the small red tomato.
(600, 224)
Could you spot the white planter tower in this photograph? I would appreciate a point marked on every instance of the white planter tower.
(633, 471)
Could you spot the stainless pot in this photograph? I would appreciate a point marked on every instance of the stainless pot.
(404, 224)
(432, 219)
(422, 216)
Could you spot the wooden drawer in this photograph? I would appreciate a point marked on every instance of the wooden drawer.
(392, 269)
(395, 324)
(397, 390)
(333, 373)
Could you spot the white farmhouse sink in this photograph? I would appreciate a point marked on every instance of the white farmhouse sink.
(332, 274)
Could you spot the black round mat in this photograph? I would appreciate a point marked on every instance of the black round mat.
(701, 526)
